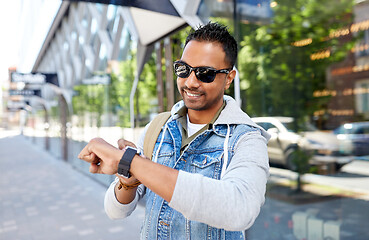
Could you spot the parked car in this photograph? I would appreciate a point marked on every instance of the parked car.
(356, 135)
(324, 146)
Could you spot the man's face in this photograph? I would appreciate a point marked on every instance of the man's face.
(198, 95)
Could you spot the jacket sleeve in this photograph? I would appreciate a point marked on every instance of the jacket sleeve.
(234, 202)
(113, 208)
(116, 210)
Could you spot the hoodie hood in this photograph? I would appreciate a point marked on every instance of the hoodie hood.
(231, 109)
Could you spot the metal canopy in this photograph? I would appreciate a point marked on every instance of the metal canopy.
(159, 6)
(153, 26)
(152, 20)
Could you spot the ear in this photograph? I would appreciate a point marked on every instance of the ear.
(230, 76)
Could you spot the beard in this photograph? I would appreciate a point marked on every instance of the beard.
(200, 104)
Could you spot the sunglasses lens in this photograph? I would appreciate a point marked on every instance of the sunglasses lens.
(206, 75)
(181, 70)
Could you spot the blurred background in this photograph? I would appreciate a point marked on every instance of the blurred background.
(74, 70)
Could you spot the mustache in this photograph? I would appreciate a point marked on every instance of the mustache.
(192, 90)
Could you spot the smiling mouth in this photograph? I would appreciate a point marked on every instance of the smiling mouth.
(192, 94)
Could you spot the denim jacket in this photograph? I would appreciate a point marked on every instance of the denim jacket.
(212, 198)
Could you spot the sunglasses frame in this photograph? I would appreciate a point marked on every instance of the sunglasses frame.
(195, 69)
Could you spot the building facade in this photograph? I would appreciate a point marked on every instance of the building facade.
(347, 81)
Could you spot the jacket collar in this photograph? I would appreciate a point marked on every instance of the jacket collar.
(231, 109)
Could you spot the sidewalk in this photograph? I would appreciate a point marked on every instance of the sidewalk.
(42, 197)
(45, 198)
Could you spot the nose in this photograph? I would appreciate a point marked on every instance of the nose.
(192, 81)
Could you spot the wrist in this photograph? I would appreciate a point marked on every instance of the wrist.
(118, 155)
(133, 185)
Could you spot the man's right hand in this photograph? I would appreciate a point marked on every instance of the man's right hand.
(122, 143)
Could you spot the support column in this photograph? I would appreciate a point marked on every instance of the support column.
(46, 129)
(169, 73)
(143, 54)
(63, 130)
(159, 76)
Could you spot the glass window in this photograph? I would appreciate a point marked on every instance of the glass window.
(247, 10)
(103, 60)
(113, 21)
(93, 26)
(124, 44)
(99, 7)
(266, 125)
(361, 93)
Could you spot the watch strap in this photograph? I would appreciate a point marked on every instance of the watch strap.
(125, 162)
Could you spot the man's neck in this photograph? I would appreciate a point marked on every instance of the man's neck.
(203, 116)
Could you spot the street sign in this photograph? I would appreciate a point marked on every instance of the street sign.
(35, 78)
(97, 79)
(15, 104)
(25, 92)
(258, 9)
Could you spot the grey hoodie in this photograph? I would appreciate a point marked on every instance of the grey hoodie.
(196, 196)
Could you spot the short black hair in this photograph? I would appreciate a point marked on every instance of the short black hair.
(215, 32)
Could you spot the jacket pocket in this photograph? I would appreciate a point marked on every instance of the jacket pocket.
(166, 158)
(208, 165)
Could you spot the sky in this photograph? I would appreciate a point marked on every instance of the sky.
(24, 25)
(9, 23)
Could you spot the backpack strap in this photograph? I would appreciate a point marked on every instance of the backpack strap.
(153, 131)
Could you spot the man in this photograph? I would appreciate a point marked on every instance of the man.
(209, 168)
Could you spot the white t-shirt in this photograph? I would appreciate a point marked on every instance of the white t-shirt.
(192, 128)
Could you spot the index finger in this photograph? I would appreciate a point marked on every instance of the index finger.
(122, 143)
(84, 152)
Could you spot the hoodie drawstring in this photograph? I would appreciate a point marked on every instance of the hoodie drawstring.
(225, 154)
(161, 142)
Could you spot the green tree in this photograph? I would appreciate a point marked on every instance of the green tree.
(89, 99)
(276, 69)
(96, 100)
(121, 85)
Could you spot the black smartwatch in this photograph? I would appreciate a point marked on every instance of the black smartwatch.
(125, 162)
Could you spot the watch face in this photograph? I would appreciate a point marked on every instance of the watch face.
(131, 148)
(126, 175)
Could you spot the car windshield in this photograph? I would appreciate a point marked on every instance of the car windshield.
(301, 127)
(350, 128)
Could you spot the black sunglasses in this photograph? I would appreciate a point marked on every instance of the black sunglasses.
(204, 74)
